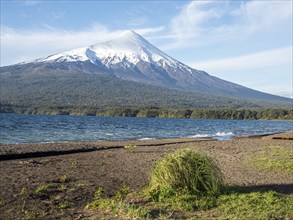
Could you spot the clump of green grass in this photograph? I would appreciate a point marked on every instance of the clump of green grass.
(64, 205)
(64, 178)
(185, 171)
(44, 189)
(274, 158)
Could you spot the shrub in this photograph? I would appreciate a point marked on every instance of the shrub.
(186, 171)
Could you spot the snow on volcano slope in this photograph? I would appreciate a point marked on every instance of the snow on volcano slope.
(128, 46)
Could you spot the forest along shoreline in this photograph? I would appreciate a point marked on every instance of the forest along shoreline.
(155, 112)
(72, 179)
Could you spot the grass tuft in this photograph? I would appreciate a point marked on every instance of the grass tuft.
(185, 171)
(64, 178)
(44, 189)
(64, 205)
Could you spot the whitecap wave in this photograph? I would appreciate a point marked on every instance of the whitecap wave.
(223, 134)
(108, 134)
(219, 135)
(199, 136)
(145, 139)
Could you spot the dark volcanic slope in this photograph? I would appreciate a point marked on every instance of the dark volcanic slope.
(51, 86)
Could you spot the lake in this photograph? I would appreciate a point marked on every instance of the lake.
(17, 129)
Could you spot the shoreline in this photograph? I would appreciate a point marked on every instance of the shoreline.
(76, 175)
(32, 150)
(277, 135)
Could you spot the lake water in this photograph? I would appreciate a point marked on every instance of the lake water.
(16, 129)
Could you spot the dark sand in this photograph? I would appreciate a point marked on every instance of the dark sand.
(108, 164)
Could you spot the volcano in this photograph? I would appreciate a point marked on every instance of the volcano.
(107, 73)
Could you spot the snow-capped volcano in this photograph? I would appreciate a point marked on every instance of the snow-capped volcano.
(127, 47)
(130, 57)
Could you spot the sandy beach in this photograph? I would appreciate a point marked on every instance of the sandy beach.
(79, 168)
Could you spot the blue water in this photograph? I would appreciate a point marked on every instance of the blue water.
(16, 128)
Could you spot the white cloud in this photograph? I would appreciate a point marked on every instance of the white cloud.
(145, 32)
(211, 22)
(23, 45)
(189, 23)
(267, 71)
(260, 60)
(265, 13)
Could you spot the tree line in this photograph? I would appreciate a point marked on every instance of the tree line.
(155, 112)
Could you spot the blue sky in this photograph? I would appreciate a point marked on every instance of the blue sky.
(246, 42)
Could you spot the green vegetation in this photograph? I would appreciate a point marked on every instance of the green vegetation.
(155, 112)
(185, 171)
(85, 184)
(228, 205)
(255, 205)
(274, 158)
(64, 205)
(117, 206)
(186, 185)
(130, 148)
(64, 178)
(267, 114)
(44, 190)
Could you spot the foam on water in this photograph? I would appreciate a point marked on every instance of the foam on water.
(145, 139)
(219, 135)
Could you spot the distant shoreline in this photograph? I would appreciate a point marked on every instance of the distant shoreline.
(155, 112)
